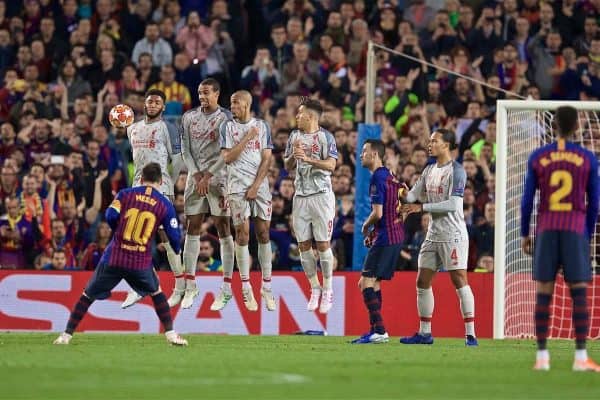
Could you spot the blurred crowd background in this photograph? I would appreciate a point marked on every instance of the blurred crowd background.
(65, 63)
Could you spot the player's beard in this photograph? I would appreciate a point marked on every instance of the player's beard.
(152, 116)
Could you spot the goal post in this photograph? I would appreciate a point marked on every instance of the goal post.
(521, 127)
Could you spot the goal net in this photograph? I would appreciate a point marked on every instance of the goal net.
(523, 126)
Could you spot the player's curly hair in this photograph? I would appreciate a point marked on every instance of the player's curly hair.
(156, 92)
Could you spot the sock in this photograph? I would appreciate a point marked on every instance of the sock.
(542, 317)
(581, 355)
(191, 250)
(243, 262)
(326, 258)
(378, 294)
(163, 311)
(309, 264)
(542, 355)
(180, 282)
(226, 285)
(77, 314)
(265, 257)
(467, 306)
(374, 308)
(174, 259)
(580, 316)
(425, 305)
(227, 259)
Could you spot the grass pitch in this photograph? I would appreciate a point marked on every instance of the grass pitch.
(112, 366)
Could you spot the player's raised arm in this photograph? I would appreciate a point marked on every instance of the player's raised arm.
(593, 197)
(527, 199)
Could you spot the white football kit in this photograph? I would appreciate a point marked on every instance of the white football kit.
(201, 149)
(440, 189)
(242, 172)
(313, 208)
(157, 141)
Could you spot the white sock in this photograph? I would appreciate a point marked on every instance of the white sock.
(581, 355)
(309, 264)
(265, 259)
(425, 303)
(326, 258)
(242, 256)
(174, 259)
(191, 250)
(543, 355)
(227, 259)
(467, 306)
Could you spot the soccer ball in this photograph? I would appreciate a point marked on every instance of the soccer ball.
(121, 116)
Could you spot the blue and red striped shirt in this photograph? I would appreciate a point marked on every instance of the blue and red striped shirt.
(565, 174)
(384, 190)
(135, 215)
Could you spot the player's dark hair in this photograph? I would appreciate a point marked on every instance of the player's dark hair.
(156, 92)
(312, 104)
(152, 173)
(216, 86)
(448, 136)
(566, 120)
(378, 146)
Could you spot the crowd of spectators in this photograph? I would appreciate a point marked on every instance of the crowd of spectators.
(65, 63)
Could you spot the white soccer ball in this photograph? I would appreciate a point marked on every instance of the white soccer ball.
(121, 116)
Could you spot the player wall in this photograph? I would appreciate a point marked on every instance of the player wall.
(41, 301)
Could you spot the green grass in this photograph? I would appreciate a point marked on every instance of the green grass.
(115, 366)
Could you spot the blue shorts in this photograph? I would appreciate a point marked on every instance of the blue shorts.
(106, 277)
(569, 250)
(381, 262)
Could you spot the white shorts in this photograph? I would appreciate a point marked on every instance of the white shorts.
(312, 217)
(447, 255)
(214, 203)
(241, 208)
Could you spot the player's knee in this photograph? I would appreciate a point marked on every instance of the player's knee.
(423, 283)
(242, 238)
(459, 278)
(222, 225)
(262, 236)
(305, 246)
(323, 246)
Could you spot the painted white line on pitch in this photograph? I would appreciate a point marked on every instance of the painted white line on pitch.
(267, 379)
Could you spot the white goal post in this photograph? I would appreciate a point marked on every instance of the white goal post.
(521, 127)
